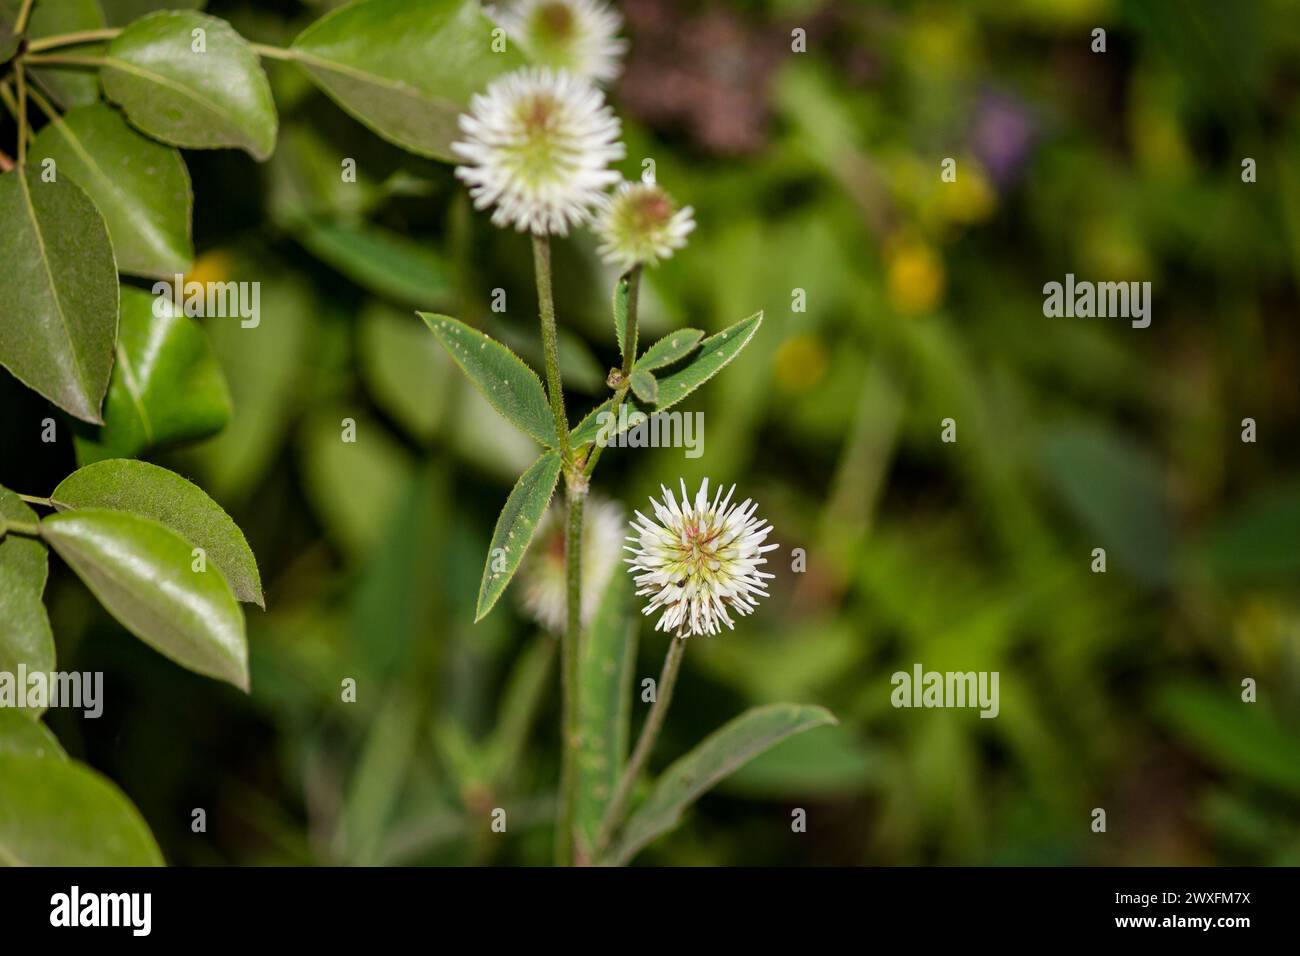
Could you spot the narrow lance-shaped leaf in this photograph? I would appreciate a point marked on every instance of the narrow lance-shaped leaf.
(715, 352)
(645, 386)
(166, 387)
(25, 737)
(406, 70)
(515, 528)
(59, 813)
(190, 80)
(140, 186)
(717, 756)
(150, 491)
(604, 704)
(622, 312)
(147, 576)
(511, 386)
(58, 291)
(25, 636)
(671, 348)
(384, 262)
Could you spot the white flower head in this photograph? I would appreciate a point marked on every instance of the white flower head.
(542, 571)
(640, 224)
(699, 560)
(537, 145)
(580, 36)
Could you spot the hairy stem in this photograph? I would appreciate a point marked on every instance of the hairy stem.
(644, 745)
(633, 293)
(550, 340)
(72, 39)
(571, 652)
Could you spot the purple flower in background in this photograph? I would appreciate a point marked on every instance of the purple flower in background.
(1003, 135)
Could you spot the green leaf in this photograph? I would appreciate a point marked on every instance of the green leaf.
(511, 386)
(166, 386)
(141, 187)
(717, 756)
(60, 813)
(1256, 541)
(604, 704)
(524, 691)
(377, 259)
(622, 309)
(150, 491)
(198, 99)
(406, 371)
(1115, 489)
(29, 738)
(121, 12)
(58, 291)
(68, 86)
(515, 527)
(406, 70)
(141, 571)
(1243, 739)
(715, 352)
(25, 636)
(645, 386)
(671, 348)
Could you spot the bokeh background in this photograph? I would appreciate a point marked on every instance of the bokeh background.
(816, 172)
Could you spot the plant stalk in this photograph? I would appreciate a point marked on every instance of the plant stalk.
(72, 39)
(644, 745)
(550, 340)
(571, 651)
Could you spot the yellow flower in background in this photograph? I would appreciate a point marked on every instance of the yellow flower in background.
(800, 363)
(969, 198)
(914, 276)
(215, 266)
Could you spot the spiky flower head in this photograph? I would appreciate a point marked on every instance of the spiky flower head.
(699, 560)
(542, 571)
(537, 145)
(640, 224)
(580, 36)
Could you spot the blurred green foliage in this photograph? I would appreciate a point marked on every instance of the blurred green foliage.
(816, 172)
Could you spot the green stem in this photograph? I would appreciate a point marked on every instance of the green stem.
(571, 650)
(65, 59)
(72, 39)
(28, 528)
(550, 339)
(24, 12)
(38, 500)
(645, 743)
(21, 78)
(273, 52)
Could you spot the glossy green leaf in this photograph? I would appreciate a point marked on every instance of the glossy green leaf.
(199, 99)
(515, 527)
(622, 328)
(604, 704)
(29, 738)
(406, 70)
(60, 813)
(645, 386)
(58, 291)
(382, 261)
(166, 386)
(121, 12)
(140, 186)
(142, 572)
(72, 85)
(717, 756)
(715, 352)
(671, 348)
(511, 386)
(153, 492)
(25, 636)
